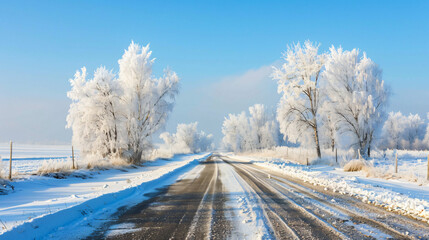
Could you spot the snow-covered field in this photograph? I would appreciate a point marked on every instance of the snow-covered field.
(27, 159)
(400, 195)
(39, 204)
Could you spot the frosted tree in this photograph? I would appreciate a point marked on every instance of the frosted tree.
(94, 113)
(237, 133)
(391, 132)
(298, 82)
(263, 126)
(248, 133)
(187, 139)
(425, 142)
(414, 132)
(116, 117)
(146, 100)
(403, 132)
(358, 95)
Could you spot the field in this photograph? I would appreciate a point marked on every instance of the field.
(27, 159)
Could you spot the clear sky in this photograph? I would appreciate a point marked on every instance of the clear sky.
(222, 51)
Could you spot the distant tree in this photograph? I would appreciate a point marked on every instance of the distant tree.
(263, 126)
(243, 133)
(357, 95)
(187, 139)
(298, 82)
(402, 132)
(237, 133)
(425, 142)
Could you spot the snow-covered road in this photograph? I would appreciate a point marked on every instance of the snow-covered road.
(225, 197)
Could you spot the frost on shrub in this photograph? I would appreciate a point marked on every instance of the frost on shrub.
(243, 133)
(187, 139)
(114, 116)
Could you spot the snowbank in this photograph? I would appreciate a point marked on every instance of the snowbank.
(405, 198)
(412, 164)
(41, 205)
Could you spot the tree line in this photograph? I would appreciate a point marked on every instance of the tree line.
(329, 99)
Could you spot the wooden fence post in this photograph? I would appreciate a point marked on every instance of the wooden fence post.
(10, 161)
(73, 157)
(396, 162)
(336, 155)
(428, 168)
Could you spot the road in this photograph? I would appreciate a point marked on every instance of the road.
(225, 198)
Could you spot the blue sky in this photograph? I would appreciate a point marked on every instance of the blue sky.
(222, 51)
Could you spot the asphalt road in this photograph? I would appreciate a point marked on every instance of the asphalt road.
(196, 208)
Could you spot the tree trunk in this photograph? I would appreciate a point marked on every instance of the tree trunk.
(316, 139)
(136, 157)
(369, 151)
(333, 144)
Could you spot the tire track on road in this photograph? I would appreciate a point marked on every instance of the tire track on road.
(327, 207)
(302, 225)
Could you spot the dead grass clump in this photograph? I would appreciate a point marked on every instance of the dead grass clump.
(355, 166)
(54, 166)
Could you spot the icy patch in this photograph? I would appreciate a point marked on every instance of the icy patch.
(370, 231)
(121, 229)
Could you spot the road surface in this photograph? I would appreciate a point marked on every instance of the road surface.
(224, 198)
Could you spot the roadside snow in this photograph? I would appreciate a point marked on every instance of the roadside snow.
(39, 205)
(403, 197)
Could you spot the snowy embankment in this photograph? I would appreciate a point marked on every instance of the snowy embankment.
(41, 205)
(394, 195)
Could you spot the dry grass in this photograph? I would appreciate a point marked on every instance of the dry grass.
(355, 166)
(3, 171)
(89, 162)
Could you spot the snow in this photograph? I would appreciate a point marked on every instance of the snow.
(400, 196)
(28, 158)
(43, 204)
